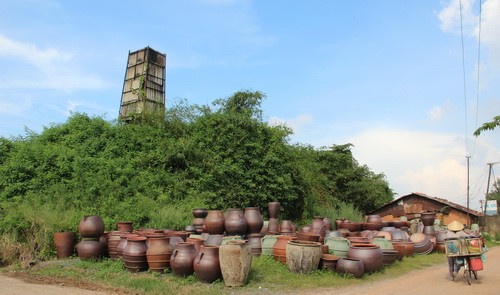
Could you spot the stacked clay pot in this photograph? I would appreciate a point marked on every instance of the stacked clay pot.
(158, 253)
(214, 222)
(235, 222)
(254, 220)
(91, 228)
(181, 261)
(206, 265)
(199, 219)
(273, 209)
(134, 255)
(255, 243)
(370, 254)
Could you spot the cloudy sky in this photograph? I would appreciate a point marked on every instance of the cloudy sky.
(387, 76)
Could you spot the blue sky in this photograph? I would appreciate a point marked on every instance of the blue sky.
(386, 76)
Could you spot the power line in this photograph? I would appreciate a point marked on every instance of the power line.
(478, 70)
(463, 74)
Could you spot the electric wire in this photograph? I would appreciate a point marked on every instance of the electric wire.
(463, 76)
(478, 72)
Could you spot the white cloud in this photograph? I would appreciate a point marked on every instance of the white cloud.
(490, 30)
(436, 113)
(450, 16)
(53, 69)
(296, 124)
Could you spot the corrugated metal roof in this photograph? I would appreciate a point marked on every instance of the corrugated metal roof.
(439, 200)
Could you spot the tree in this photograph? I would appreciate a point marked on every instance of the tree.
(488, 126)
(495, 192)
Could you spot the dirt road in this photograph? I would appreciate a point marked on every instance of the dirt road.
(427, 281)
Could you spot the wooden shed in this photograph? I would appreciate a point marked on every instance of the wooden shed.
(415, 203)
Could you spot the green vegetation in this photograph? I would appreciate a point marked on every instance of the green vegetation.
(266, 275)
(155, 170)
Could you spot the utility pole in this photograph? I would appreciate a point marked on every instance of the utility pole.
(487, 190)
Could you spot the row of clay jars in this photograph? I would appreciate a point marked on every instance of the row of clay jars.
(237, 222)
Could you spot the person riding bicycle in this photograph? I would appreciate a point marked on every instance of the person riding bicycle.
(455, 231)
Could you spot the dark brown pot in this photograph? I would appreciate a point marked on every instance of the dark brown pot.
(89, 248)
(404, 248)
(279, 249)
(273, 226)
(254, 220)
(286, 227)
(206, 264)
(158, 254)
(273, 208)
(352, 226)
(182, 259)
(125, 226)
(351, 266)
(235, 223)
(389, 256)
(200, 213)
(440, 247)
(318, 226)
(328, 262)
(91, 226)
(422, 243)
(428, 218)
(64, 243)
(134, 254)
(370, 254)
(254, 241)
(429, 230)
(179, 233)
(214, 222)
(307, 236)
(328, 222)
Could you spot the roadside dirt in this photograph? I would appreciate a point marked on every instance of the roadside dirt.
(431, 280)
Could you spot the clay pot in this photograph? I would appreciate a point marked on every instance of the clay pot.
(302, 256)
(422, 244)
(383, 243)
(372, 225)
(158, 254)
(200, 213)
(197, 242)
(214, 222)
(206, 264)
(190, 229)
(235, 222)
(273, 226)
(235, 260)
(385, 234)
(306, 229)
(123, 243)
(400, 223)
(174, 240)
(307, 237)
(104, 241)
(279, 249)
(124, 226)
(328, 222)
(428, 218)
(334, 233)
(286, 227)
(268, 242)
(370, 254)
(254, 241)
(389, 256)
(213, 240)
(254, 220)
(89, 248)
(373, 219)
(328, 262)
(226, 239)
(179, 233)
(398, 234)
(350, 266)
(181, 261)
(440, 236)
(134, 254)
(64, 243)
(338, 246)
(440, 247)
(318, 226)
(429, 230)
(358, 240)
(113, 241)
(91, 226)
(273, 209)
(404, 248)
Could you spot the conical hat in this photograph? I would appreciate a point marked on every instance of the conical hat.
(455, 226)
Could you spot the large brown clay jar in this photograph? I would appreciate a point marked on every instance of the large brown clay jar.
(235, 223)
(214, 222)
(404, 248)
(273, 226)
(206, 264)
(319, 226)
(123, 243)
(254, 220)
(351, 266)
(279, 249)
(428, 218)
(64, 243)
(370, 254)
(134, 254)
(124, 226)
(158, 254)
(181, 261)
(91, 226)
(113, 241)
(89, 248)
(197, 242)
(273, 209)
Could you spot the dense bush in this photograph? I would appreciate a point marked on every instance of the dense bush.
(154, 170)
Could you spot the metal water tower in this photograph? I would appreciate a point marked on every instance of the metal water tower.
(144, 83)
